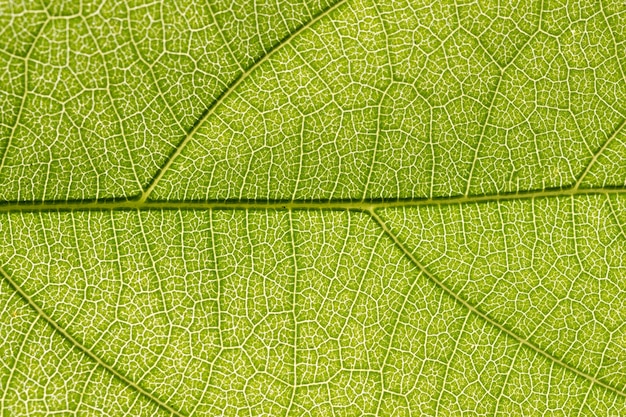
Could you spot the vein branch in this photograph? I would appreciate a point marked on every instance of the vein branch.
(473, 309)
(231, 88)
(18, 117)
(600, 151)
(84, 349)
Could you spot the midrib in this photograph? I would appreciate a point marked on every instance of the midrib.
(357, 205)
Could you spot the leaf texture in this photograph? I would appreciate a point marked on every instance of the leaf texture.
(313, 208)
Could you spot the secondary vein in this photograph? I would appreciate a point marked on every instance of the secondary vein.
(231, 88)
(84, 349)
(521, 340)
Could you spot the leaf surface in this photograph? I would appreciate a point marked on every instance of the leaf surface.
(313, 208)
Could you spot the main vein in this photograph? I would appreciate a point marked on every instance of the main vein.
(362, 205)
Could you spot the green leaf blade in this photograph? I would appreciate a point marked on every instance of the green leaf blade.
(312, 208)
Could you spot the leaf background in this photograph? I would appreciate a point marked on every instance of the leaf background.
(302, 208)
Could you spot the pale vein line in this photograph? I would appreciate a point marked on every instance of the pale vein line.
(294, 303)
(379, 108)
(372, 165)
(483, 131)
(584, 401)
(150, 67)
(120, 120)
(615, 44)
(455, 349)
(392, 334)
(222, 36)
(85, 350)
(16, 362)
(23, 102)
(506, 380)
(484, 316)
(598, 153)
(502, 70)
(83, 391)
(367, 205)
(238, 81)
(166, 307)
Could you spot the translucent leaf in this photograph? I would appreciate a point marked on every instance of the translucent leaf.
(312, 208)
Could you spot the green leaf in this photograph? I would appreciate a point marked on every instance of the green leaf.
(313, 208)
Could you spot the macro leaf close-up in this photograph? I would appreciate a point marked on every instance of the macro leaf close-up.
(312, 208)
